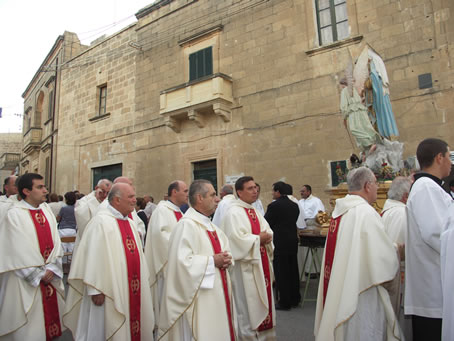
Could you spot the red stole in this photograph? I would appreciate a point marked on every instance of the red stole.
(48, 292)
(133, 267)
(330, 247)
(178, 215)
(255, 227)
(217, 249)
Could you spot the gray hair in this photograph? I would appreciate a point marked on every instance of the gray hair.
(104, 181)
(358, 177)
(227, 189)
(115, 191)
(198, 187)
(399, 187)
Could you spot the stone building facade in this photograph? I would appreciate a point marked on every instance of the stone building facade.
(10, 149)
(41, 111)
(217, 89)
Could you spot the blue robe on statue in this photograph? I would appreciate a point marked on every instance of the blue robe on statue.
(386, 123)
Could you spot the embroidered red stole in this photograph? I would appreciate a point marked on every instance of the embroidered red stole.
(215, 243)
(178, 215)
(329, 253)
(255, 227)
(134, 284)
(130, 216)
(48, 292)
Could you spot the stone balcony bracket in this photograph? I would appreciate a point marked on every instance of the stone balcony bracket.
(32, 139)
(195, 100)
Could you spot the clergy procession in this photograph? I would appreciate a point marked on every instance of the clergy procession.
(221, 269)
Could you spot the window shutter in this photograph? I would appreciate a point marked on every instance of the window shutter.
(192, 66)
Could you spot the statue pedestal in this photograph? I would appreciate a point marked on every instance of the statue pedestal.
(342, 190)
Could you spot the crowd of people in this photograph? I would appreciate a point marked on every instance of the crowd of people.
(199, 267)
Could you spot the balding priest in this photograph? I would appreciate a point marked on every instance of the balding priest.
(32, 294)
(250, 239)
(109, 296)
(162, 222)
(197, 302)
(359, 258)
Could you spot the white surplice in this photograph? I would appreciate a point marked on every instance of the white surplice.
(248, 280)
(357, 306)
(428, 208)
(160, 226)
(447, 277)
(194, 300)
(100, 266)
(22, 267)
(223, 206)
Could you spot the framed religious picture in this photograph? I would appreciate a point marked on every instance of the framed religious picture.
(338, 172)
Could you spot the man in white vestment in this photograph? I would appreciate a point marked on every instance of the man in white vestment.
(139, 224)
(32, 291)
(198, 300)
(10, 188)
(150, 205)
(359, 258)
(394, 213)
(428, 209)
(226, 199)
(160, 226)
(86, 208)
(258, 203)
(394, 218)
(109, 295)
(250, 239)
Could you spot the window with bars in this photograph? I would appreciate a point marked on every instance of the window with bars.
(102, 91)
(201, 63)
(332, 20)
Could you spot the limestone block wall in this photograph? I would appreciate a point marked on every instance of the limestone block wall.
(285, 121)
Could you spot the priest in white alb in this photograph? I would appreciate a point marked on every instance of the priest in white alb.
(250, 239)
(198, 302)
(352, 303)
(109, 288)
(32, 291)
(162, 222)
(227, 198)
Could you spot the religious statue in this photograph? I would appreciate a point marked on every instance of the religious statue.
(370, 118)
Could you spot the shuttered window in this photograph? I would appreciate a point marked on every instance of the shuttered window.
(201, 63)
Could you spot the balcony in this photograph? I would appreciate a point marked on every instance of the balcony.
(32, 140)
(195, 99)
(9, 161)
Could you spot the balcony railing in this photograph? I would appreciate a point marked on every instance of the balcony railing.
(32, 139)
(193, 100)
(9, 161)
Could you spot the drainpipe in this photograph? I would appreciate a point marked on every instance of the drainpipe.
(53, 125)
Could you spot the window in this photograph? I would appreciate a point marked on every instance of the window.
(51, 104)
(102, 100)
(201, 63)
(332, 20)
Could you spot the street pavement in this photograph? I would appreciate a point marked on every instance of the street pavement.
(292, 325)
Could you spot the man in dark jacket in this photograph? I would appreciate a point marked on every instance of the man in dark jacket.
(282, 215)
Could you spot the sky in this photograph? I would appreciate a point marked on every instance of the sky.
(29, 29)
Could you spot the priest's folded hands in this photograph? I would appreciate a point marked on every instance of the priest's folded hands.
(222, 260)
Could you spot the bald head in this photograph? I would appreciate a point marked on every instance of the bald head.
(123, 180)
(178, 192)
(122, 197)
(10, 185)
